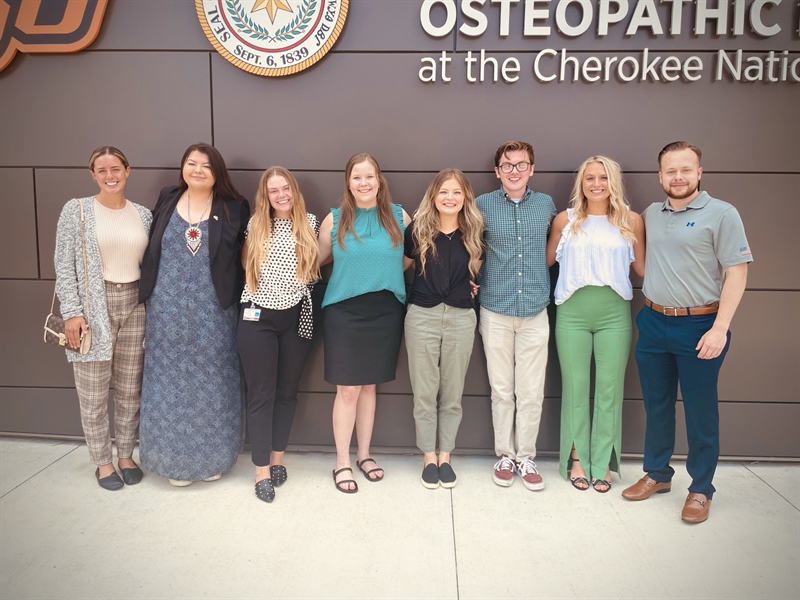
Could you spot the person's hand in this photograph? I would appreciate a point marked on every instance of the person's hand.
(73, 329)
(473, 289)
(712, 343)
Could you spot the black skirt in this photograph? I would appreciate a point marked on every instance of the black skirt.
(362, 339)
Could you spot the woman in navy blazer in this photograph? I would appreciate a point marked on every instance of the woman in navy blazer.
(192, 276)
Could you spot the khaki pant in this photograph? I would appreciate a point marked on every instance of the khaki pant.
(92, 379)
(516, 359)
(439, 343)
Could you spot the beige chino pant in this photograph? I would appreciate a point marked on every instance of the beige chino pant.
(516, 360)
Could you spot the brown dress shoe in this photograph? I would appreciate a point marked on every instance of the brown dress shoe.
(646, 487)
(696, 508)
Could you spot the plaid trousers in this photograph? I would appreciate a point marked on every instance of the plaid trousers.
(92, 379)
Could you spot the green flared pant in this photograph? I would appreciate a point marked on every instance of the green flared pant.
(593, 320)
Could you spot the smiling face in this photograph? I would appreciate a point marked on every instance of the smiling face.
(197, 172)
(515, 182)
(364, 184)
(450, 199)
(595, 186)
(279, 193)
(110, 174)
(679, 174)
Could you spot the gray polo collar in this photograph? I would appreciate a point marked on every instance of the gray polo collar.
(702, 199)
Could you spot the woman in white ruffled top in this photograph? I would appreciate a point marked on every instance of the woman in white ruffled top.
(596, 242)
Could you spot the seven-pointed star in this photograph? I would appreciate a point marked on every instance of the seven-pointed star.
(272, 6)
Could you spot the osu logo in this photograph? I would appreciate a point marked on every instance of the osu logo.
(47, 26)
(272, 37)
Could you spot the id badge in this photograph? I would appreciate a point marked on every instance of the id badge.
(251, 314)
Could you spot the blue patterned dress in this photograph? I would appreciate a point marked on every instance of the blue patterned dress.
(191, 420)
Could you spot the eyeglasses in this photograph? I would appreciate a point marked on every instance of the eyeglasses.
(520, 166)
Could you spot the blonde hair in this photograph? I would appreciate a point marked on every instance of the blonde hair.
(470, 222)
(258, 239)
(347, 214)
(618, 207)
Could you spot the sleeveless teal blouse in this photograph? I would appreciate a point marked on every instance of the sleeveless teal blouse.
(368, 264)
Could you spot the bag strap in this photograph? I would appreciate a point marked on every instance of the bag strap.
(85, 268)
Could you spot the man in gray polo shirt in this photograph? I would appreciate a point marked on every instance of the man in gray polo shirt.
(695, 275)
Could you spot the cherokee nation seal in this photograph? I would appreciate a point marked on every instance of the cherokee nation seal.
(272, 37)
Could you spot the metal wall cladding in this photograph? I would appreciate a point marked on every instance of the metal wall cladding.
(152, 84)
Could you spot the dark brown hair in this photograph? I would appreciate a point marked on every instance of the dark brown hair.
(512, 146)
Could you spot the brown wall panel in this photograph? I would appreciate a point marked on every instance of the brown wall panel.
(39, 410)
(762, 364)
(18, 225)
(414, 127)
(28, 361)
(151, 25)
(152, 104)
(55, 187)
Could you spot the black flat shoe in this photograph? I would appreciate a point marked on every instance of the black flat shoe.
(265, 490)
(447, 477)
(430, 476)
(110, 482)
(131, 475)
(278, 475)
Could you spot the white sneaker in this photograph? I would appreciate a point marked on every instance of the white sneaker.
(180, 482)
(530, 475)
(213, 477)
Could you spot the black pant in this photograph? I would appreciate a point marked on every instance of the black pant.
(273, 356)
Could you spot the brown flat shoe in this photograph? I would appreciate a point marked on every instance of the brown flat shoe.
(646, 487)
(696, 508)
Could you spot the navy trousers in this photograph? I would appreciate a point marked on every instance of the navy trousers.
(666, 356)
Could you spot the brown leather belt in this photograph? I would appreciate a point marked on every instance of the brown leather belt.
(682, 311)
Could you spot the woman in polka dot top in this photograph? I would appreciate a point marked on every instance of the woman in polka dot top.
(281, 263)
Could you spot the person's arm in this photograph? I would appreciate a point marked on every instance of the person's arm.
(733, 285)
(325, 241)
(555, 235)
(638, 244)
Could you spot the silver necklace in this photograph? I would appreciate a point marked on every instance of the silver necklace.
(193, 233)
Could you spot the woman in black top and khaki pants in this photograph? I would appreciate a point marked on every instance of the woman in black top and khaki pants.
(445, 241)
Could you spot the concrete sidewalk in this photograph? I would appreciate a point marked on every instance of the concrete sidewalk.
(61, 536)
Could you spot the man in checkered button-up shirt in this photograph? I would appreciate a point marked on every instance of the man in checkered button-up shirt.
(514, 293)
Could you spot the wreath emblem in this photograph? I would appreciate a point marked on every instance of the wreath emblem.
(254, 31)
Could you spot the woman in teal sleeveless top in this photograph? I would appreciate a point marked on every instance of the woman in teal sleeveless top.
(363, 308)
